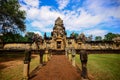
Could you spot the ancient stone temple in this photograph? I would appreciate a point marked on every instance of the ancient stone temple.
(59, 41)
(58, 35)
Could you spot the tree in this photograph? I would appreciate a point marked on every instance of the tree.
(11, 17)
(110, 36)
(74, 35)
(89, 38)
(82, 37)
(45, 35)
(29, 36)
(37, 39)
(98, 38)
(10, 37)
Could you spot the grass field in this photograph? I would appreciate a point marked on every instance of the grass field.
(11, 67)
(103, 66)
(100, 66)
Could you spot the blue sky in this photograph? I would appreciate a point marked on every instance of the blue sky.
(92, 17)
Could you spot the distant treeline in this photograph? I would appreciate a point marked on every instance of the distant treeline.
(12, 37)
(17, 37)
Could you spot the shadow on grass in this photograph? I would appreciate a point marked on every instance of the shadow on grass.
(4, 57)
(7, 57)
(34, 72)
(13, 56)
(2, 66)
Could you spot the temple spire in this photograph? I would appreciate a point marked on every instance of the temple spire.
(59, 21)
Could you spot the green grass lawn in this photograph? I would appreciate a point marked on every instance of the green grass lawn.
(15, 72)
(100, 66)
(103, 66)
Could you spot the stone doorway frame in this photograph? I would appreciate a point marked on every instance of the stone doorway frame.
(59, 44)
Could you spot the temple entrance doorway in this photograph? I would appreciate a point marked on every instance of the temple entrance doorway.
(58, 44)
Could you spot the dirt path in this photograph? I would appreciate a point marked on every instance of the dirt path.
(58, 68)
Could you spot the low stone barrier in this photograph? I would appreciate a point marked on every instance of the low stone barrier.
(19, 46)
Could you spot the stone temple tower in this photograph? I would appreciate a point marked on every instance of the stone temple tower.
(58, 35)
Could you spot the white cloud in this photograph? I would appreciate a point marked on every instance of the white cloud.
(32, 13)
(38, 32)
(77, 22)
(37, 24)
(23, 7)
(43, 18)
(32, 3)
(103, 7)
(78, 19)
(47, 14)
(96, 32)
(62, 3)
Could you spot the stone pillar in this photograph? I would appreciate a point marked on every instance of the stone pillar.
(49, 54)
(41, 57)
(66, 52)
(26, 71)
(69, 54)
(69, 57)
(26, 67)
(84, 58)
(46, 55)
(73, 57)
(73, 60)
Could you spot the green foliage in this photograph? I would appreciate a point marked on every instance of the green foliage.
(15, 71)
(105, 65)
(74, 35)
(29, 36)
(89, 38)
(98, 38)
(11, 17)
(10, 37)
(45, 35)
(109, 36)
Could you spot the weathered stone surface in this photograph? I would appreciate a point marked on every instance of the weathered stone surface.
(59, 29)
(59, 41)
(84, 59)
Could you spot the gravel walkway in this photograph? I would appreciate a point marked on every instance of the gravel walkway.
(58, 68)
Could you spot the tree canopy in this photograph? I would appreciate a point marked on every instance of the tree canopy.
(98, 38)
(89, 38)
(11, 17)
(29, 36)
(10, 37)
(109, 36)
(74, 35)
